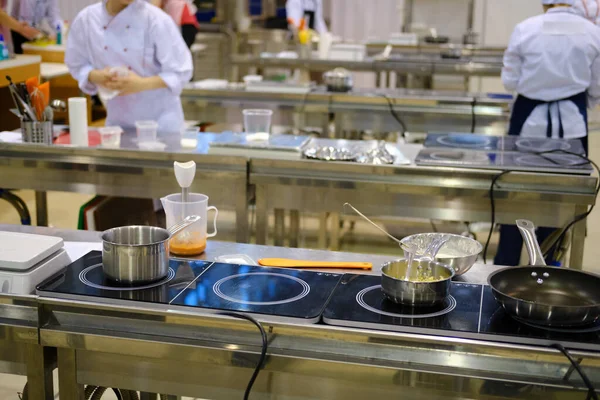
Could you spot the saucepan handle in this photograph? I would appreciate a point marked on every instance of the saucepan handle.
(527, 229)
(175, 229)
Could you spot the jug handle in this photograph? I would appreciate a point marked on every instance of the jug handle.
(214, 221)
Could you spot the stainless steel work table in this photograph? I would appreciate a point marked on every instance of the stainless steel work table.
(417, 64)
(20, 349)
(127, 172)
(448, 194)
(194, 354)
(360, 109)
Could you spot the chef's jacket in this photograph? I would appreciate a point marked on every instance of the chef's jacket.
(145, 40)
(295, 11)
(590, 9)
(551, 57)
(34, 12)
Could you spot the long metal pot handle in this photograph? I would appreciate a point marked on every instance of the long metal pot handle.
(175, 229)
(527, 229)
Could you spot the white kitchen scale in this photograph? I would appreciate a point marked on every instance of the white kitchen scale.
(26, 260)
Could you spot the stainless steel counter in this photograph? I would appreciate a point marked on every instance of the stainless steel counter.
(127, 172)
(369, 110)
(201, 355)
(417, 64)
(447, 194)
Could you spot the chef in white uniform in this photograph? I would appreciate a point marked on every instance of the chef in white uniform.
(310, 10)
(590, 9)
(139, 37)
(553, 64)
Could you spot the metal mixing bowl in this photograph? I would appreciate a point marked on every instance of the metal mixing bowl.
(408, 290)
(459, 253)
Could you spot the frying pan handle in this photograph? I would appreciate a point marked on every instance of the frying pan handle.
(527, 229)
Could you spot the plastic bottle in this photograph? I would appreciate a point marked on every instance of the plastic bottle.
(59, 38)
(3, 49)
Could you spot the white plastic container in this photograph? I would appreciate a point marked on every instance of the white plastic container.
(110, 136)
(146, 131)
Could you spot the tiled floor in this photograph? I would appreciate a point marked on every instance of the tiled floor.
(63, 213)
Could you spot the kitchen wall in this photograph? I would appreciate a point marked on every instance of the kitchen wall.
(495, 21)
(355, 22)
(449, 17)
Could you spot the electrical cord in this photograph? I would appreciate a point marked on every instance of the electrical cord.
(585, 161)
(560, 238)
(18, 204)
(591, 390)
(395, 114)
(263, 352)
(473, 117)
(493, 207)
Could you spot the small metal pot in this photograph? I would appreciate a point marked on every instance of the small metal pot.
(134, 255)
(338, 80)
(407, 290)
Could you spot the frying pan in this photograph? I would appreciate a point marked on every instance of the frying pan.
(546, 296)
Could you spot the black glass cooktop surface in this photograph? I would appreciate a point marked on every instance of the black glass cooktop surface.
(471, 313)
(359, 302)
(84, 277)
(514, 161)
(471, 141)
(272, 293)
(284, 293)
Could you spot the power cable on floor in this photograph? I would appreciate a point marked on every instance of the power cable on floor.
(263, 352)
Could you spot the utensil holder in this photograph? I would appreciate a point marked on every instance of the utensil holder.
(37, 132)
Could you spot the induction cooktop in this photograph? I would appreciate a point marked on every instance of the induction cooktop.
(471, 312)
(514, 161)
(472, 141)
(270, 294)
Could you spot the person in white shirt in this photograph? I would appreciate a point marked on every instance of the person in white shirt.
(553, 64)
(136, 36)
(309, 10)
(590, 9)
(8, 24)
(35, 13)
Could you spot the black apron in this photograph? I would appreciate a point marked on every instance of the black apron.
(524, 106)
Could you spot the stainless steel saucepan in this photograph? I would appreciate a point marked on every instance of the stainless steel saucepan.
(547, 296)
(133, 255)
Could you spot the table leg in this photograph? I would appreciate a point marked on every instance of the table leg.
(334, 243)
(67, 375)
(262, 215)
(41, 208)
(322, 240)
(242, 234)
(578, 241)
(40, 363)
(279, 227)
(294, 228)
